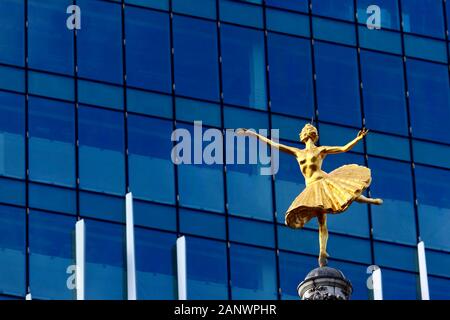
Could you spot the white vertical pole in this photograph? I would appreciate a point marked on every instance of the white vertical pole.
(80, 257)
(28, 296)
(131, 260)
(377, 284)
(423, 274)
(181, 268)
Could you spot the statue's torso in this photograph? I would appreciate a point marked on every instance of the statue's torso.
(310, 162)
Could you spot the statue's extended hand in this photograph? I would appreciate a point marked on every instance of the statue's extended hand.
(362, 133)
(243, 131)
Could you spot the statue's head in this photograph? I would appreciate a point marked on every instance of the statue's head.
(309, 132)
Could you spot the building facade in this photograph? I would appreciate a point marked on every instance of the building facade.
(87, 112)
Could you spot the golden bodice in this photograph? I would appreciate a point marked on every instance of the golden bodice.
(310, 162)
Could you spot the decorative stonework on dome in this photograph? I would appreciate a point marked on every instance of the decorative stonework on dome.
(325, 272)
(325, 283)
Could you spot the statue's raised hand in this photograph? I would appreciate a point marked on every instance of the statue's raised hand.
(362, 133)
(244, 132)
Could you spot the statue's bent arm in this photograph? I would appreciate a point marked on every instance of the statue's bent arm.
(347, 147)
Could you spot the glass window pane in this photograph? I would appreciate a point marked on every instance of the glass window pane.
(288, 22)
(157, 4)
(301, 6)
(148, 62)
(349, 249)
(49, 85)
(253, 273)
(423, 78)
(12, 135)
(100, 94)
(101, 153)
(388, 146)
(382, 77)
(51, 265)
(399, 285)
(196, 58)
(102, 206)
(52, 198)
(50, 43)
(358, 276)
(423, 150)
(251, 232)
(395, 219)
(438, 262)
(12, 79)
(389, 12)
(338, 136)
(105, 261)
(249, 192)
(290, 58)
(243, 118)
(340, 32)
(192, 110)
(244, 67)
(155, 267)
(202, 224)
(207, 277)
(12, 250)
(341, 247)
(149, 103)
(12, 34)
(5, 298)
(298, 240)
(433, 193)
(342, 9)
(52, 141)
(241, 13)
(423, 17)
(12, 191)
(150, 159)
(439, 288)
(195, 180)
(293, 269)
(100, 49)
(337, 84)
(380, 40)
(156, 216)
(429, 49)
(201, 8)
(395, 256)
(289, 128)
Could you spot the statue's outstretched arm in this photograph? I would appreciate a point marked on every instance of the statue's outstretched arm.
(281, 147)
(333, 150)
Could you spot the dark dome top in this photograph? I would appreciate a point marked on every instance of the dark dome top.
(325, 272)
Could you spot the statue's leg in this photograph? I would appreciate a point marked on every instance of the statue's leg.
(323, 238)
(363, 199)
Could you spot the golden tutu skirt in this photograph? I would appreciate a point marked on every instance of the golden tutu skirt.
(332, 194)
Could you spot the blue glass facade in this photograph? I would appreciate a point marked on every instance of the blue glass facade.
(86, 116)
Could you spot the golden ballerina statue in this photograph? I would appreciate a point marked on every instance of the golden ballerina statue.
(324, 192)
